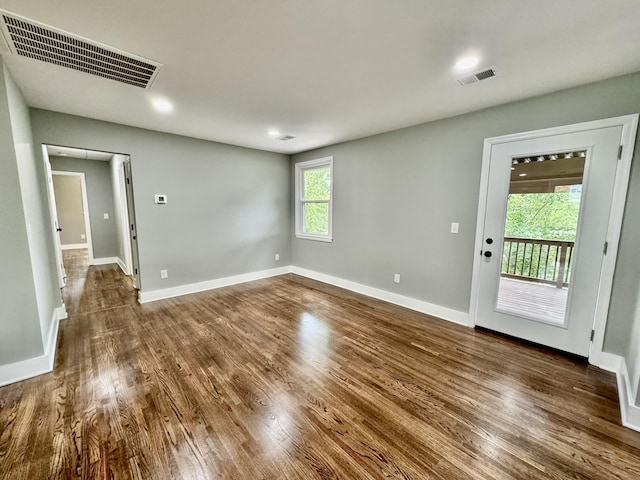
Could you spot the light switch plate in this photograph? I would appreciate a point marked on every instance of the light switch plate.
(160, 199)
(106, 216)
(455, 227)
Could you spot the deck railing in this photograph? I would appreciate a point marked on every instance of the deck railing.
(537, 260)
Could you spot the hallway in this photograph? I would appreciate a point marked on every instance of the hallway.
(90, 289)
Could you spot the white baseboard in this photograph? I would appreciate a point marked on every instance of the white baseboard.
(74, 246)
(606, 361)
(144, 297)
(455, 316)
(629, 411)
(104, 260)
(445, 313)
(122, 266)
(32, 367)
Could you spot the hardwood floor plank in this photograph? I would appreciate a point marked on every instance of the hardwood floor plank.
(287, 378)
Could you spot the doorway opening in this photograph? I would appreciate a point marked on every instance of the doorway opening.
(93, 221)
(70, 191)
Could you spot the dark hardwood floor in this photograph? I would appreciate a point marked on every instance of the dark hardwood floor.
(287, 378)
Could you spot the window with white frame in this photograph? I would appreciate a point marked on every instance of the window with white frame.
(314, 192)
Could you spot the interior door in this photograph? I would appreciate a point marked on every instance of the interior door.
(547, 291)
(62, 275)
(133, 233)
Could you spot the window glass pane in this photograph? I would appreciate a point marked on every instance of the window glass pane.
(317, 184)
(543, 207)
(316, 218)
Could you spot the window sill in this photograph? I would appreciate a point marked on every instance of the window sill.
(317, 238)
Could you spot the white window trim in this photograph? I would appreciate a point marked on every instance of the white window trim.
(299, 171)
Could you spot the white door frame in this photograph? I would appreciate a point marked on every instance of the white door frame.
(629, 124)
(85, 207)
(53, 213)
(132, 227)
(120, 197)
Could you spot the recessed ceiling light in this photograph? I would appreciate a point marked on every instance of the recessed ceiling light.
(466, 63)
(162, 105)
(523, 175)
(273, 133)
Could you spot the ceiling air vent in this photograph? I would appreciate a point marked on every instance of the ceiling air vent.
(41, 42)
(285, 138)
(478, 76)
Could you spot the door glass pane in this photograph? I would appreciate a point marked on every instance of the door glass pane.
(316, 218)
(543, 207)
(317, 184)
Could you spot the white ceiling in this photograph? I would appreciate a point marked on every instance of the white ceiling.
(324, 71)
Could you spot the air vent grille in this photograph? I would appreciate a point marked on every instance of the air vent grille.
(40, 42)
(478, 76)
(285, 138)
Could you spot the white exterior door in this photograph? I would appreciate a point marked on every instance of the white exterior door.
(548, 291)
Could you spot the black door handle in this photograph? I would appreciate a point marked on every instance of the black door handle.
(489, 241)
(58, 229)
(487, 254)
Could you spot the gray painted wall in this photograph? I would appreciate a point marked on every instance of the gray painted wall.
(229, 207)
(396, 194)
(36, 210)
(104, 234)
(20, 329)
(68, 193)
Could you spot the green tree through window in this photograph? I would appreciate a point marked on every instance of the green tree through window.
(313, 199)
(549, 216)
(317, 187)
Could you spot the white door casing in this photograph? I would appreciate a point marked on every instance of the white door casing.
(133, 233)
(53, 212)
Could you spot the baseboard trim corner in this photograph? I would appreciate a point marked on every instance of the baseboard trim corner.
(32, 367)
(606, 361)
(104, 260)
(629, 411)
(445, 313)
(153, 295)
(122, 266)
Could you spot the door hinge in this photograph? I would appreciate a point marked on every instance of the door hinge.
(606, 247)
(620, 152)
(593, 332)
(136, 270)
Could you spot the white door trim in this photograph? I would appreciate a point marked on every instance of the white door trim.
(629, 124)
(85, 206)
(124, 219)
(53, 214)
